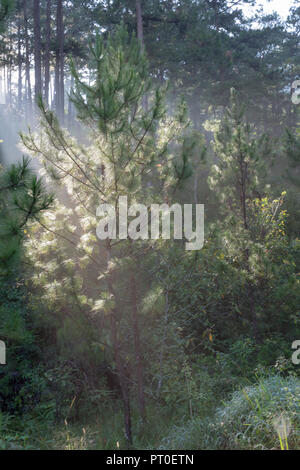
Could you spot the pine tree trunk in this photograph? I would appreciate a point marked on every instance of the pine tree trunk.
(59, 66)
(19, 66)
(139, 23)
(37, 48)
(70, 105)
(47, 51)
(9, 71)
(118, 359)
(123, 383)
(140, 36)
(56, 82)
(137, 349)
(57, 62)
(5, 83)
(27, 65)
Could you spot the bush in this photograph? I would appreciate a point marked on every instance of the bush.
(20, 379)
(250, 420)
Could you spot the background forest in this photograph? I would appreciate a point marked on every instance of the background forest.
(139, 343)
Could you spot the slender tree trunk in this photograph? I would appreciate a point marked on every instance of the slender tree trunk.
(164, 339)
(47, 51)
(56, 83)
(123, 380)
(37, 48)
(57, 63)
(70, 105)
(140, 36)
(59, 66)
(27, 65)
(52, 92)
(139, 23)
(19, 66)
(5, 83)
(243, 196)
(9, 71)
(137, 349)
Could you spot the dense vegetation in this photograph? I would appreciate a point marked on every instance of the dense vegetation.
(138, 343)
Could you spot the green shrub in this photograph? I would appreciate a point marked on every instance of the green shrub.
(248, 421)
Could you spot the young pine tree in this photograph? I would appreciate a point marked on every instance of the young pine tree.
(244, 282)
(242, 155)
(252, 232)
(127, 153)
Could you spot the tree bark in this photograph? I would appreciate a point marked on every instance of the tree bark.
(47, 51)
(140, 36)
(9, 72)
(57, 62)
(37, 48)
(19, 65)
(123, 380)
(59, 66)
(27, 65)
(139, 23)
(137, 349)
(70, 105)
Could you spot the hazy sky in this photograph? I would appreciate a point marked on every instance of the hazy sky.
(281, 6)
